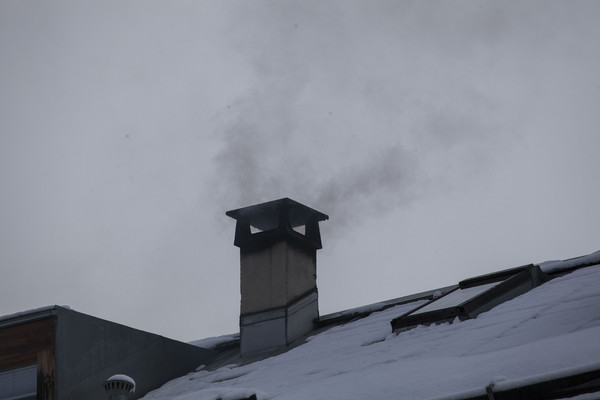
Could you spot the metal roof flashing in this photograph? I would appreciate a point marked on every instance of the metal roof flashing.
(30, 315)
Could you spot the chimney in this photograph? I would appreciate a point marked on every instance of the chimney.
(278, 243)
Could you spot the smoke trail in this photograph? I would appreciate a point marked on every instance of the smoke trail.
(337, 121)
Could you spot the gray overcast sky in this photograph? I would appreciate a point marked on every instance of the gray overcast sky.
(444, 139)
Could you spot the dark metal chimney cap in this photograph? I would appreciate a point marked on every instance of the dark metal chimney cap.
(265, 215)
(261, 225)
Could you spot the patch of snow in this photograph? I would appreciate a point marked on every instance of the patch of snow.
(364, 309)
(224, 393)
(496, 379)
(356, 312)
(564, 265)
(215, 341)
(586, 396)
(531, 380)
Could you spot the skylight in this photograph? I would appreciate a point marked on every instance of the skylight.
(454, 298)
(473, 296)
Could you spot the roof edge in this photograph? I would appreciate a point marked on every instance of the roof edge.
(33, 314)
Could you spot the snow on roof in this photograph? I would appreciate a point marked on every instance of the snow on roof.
(564, 265)
(215, 341)
(552, 329)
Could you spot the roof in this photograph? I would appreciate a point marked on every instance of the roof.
(548, 333)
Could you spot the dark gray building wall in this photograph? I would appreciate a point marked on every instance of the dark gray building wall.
(89, 350)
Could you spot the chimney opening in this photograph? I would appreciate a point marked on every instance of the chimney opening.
(301, 229)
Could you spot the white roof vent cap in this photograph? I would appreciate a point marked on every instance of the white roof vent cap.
(119, 386)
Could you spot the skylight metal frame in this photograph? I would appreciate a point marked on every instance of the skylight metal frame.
(511, 283)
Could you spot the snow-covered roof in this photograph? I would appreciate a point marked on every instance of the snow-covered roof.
(550, 331)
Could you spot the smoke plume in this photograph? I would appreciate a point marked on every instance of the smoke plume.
(351, 112)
